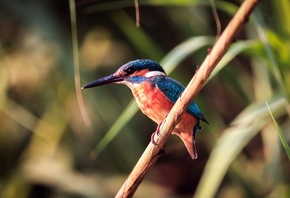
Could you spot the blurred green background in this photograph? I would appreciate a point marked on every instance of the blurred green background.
(54, 144)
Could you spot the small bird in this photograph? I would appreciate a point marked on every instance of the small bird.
(156, 94)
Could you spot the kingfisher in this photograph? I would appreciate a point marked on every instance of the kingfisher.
(155, 94)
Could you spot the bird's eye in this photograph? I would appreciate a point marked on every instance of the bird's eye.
(130, 70)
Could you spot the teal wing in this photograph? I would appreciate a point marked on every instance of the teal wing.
(172, 90)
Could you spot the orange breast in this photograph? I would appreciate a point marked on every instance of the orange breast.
(152, 102)
(156, 106)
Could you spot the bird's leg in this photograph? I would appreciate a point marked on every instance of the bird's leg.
(158, 128)
(157, 132)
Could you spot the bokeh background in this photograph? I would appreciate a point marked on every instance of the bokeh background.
(59, 141)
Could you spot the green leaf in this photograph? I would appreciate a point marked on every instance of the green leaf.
(282, 137)
(246, 125)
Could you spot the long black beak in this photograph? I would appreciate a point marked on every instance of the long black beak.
(103, 81)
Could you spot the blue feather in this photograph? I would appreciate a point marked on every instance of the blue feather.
(172, 90)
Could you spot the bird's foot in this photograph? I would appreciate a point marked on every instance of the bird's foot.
(162, 151)
(157, 132)
(152, 138)
(158, 129)
(153, 135)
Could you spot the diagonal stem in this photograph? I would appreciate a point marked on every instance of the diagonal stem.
(151, 153)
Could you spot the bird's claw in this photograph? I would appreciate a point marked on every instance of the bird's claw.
(158, 129)
(162, 151)
(152, 138)
(157, 132)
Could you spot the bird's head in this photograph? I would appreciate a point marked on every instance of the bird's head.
(138, 68)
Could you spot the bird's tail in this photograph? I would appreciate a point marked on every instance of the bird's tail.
(189, 142)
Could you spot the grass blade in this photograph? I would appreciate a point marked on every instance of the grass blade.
(231, 143)
(282, 137)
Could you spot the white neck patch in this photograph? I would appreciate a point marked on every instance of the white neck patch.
(154, 73)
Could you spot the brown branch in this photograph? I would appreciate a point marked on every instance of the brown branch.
(151, 154)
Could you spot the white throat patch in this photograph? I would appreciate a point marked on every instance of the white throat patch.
(154, 73)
